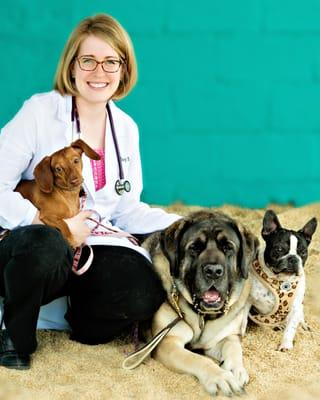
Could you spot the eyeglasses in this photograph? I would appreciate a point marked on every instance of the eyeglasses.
(90, 64)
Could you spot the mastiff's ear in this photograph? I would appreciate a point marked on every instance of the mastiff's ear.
(170, 240)
(249, 246)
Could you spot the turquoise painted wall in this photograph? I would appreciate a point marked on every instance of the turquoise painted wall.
(228, 95)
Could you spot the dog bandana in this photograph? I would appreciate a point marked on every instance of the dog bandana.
(284, 293)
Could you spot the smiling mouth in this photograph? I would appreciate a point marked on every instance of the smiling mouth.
(98, 85)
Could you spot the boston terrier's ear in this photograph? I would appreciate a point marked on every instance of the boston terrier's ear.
(309, 229)
(270, 223)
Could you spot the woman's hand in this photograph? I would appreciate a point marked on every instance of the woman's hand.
(78, 227)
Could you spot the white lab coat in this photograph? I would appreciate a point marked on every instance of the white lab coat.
(42, 126)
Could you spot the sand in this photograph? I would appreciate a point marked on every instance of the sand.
(66, 370)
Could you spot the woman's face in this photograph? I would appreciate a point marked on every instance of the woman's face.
(96, 86)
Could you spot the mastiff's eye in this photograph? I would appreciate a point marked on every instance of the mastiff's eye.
(225, 245)
(58, 169)
(197, 247)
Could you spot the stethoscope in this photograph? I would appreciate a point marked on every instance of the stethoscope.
(121, 185)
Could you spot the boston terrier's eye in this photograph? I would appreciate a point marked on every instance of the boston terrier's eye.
(277, 251)
(303, 252)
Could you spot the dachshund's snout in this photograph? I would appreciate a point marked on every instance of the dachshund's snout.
(75, 180)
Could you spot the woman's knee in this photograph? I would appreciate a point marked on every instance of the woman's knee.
(140, 288)
(146, 295)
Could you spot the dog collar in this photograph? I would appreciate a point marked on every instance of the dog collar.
(174, 302)
(284, 292)
(204, 315)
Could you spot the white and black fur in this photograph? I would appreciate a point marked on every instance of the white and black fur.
(285, 254)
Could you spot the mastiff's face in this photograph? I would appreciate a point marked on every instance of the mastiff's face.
(208, 253)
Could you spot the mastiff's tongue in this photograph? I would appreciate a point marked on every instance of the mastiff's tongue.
(211, 296)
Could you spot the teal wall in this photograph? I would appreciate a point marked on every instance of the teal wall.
(227, 99)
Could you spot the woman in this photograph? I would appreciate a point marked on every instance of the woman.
(96, 67)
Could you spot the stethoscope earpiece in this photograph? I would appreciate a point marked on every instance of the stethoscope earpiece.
(121, 184)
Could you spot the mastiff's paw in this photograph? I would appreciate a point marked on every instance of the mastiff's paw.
(223, 382)
(238, 371)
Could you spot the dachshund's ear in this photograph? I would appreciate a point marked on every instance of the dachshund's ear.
(43, 175)
(84, 148)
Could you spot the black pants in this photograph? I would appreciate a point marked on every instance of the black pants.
(35, 268)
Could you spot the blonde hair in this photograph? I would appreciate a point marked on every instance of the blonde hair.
(108, 29)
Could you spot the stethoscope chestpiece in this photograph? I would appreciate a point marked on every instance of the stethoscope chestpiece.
(122, 186)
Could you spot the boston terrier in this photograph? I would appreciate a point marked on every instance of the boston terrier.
(278, 279)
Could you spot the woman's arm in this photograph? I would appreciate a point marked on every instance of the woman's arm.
(17, 148)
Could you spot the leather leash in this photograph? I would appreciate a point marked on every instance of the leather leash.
(137, 357)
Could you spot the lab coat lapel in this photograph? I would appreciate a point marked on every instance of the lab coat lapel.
(64, 114)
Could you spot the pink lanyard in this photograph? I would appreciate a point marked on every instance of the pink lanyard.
(107, 231)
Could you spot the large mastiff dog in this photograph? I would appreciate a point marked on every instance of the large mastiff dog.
(203, 262)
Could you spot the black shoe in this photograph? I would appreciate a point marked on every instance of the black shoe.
(9, 358)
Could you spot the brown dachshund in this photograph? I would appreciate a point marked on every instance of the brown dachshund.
(56, 188)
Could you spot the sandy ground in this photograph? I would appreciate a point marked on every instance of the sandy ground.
(65, 370)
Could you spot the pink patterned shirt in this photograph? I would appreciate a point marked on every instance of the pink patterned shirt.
(98, 170)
